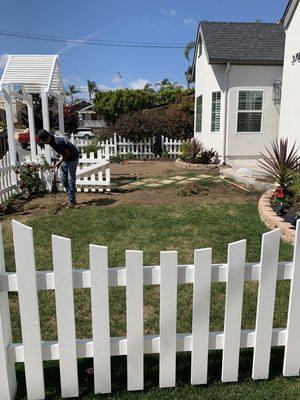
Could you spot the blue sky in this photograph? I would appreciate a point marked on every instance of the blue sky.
(132, 20)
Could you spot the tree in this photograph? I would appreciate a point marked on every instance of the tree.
(188, 48)
(114, 103)
(139, 125)
(71, 119)
(92, 88)
(179, 124)
(189, 76)
(71, 91)
(38, 116)
(149, 87)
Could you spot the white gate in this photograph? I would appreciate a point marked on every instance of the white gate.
(26, 281)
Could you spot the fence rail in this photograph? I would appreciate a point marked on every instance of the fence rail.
(7, 187)
(140, 149)
(26, 281)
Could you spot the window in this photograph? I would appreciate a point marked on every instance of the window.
(199, 106)
(215, 111)
(250, 111)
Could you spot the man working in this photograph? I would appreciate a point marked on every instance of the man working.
(68, 163)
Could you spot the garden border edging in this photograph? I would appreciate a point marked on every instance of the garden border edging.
(182, 164)
(272, 220)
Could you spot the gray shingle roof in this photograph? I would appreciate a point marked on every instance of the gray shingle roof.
(244, 43)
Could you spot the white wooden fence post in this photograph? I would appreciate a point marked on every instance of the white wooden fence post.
(168, 313)
(115, 144)
(8, 383)
(291, 363)
(100, 318)
(135, 322)
(265, 304)
(29, 310)
(64, 299)
(201, 308)
(233, 311)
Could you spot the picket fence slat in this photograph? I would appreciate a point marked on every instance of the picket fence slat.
(233, 311)
(64, 300)
(291, 362)
(8, 382)
(265, 304)
(7, 188)
(100, 318)
(29, 310)
(201, 309)
(168, 312)
(134, 317)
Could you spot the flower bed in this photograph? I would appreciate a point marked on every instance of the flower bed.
(272, 220)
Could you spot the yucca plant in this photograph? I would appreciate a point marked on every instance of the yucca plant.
(195, 149)
(279, 163)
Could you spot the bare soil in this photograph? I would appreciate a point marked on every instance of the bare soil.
(214, 192)
(151, 168)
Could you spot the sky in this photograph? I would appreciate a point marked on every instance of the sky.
(143, 21)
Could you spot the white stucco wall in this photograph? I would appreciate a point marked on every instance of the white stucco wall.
(209, 79)
(243, 77)
(290, 105)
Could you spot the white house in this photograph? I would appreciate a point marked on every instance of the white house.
(290, 107)
(88, 118)
(237, 70)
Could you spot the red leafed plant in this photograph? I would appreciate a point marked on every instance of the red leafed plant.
(280, 164)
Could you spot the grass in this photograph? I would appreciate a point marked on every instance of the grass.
(153, 229)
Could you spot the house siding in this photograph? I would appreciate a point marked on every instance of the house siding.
(290, 107)
(211, 78)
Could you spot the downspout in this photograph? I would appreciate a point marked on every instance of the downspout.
(225, 113)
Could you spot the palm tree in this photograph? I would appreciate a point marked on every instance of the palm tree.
(148, 87)
(188, 48)
(188, 76)
(71, 91)
(164, 84)
(92, 88)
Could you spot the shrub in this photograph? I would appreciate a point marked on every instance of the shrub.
(30, 181)
(195, 148)
(280, 164)
(179, 124)
(206, 156)
(91, 148)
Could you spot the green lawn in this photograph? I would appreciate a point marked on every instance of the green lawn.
(153, 229)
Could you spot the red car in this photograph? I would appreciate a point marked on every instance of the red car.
(24, 139)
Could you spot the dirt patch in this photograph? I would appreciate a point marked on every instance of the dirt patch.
(217, 192)
(138, 168)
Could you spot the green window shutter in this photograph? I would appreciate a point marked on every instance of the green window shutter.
(215, 111)
(199, 107)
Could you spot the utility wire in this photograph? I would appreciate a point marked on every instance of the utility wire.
(93, 42)
(124, 72)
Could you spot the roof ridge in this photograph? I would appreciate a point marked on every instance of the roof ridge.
(239, 22)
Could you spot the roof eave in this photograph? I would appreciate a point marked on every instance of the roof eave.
(246, 62)
(289, 12)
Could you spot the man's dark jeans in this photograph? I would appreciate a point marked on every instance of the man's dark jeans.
(68, 178)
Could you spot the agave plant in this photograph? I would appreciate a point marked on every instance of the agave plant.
(195, 149)
(279, 163)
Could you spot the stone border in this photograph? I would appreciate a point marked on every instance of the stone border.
(185, 165)
(272, 220)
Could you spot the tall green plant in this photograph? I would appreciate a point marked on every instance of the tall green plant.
(279, 163)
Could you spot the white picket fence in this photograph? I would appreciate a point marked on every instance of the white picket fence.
(93, 173)
(7, 188)
(141, 149)
(26, 281)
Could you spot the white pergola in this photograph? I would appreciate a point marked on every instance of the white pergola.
(23, 76)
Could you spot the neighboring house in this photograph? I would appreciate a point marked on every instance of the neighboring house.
(88, 118)
(290, 106)
(237, 70)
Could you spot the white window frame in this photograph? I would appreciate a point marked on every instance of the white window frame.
(211, 114)
(250, 111)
